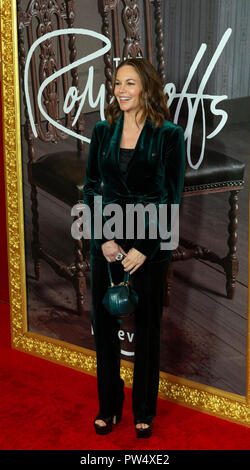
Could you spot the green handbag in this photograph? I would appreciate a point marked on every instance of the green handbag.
(120, 299)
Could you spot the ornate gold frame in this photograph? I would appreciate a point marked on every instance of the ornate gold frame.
(203, 398)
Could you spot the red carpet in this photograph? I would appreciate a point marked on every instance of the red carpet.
(47, 406)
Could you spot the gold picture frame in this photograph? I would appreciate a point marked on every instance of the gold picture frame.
(232, 407)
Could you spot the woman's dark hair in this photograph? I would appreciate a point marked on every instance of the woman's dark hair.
(157, 109)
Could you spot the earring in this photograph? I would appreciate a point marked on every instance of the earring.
(146, 104)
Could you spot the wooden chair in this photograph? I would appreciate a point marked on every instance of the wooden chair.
(60, 173)
(218, 172)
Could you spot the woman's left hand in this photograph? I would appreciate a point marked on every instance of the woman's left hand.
(133, 260)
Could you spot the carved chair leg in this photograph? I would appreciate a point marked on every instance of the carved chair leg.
(80, 291)
(231, 263)
(168, 285)
(35, 245)
(80, 280)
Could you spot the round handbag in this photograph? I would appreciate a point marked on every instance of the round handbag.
(120, 299)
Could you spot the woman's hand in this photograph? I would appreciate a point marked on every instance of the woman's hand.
(133, 260)
(111, 249)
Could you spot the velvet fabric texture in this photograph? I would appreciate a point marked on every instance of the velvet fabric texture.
(155, 175)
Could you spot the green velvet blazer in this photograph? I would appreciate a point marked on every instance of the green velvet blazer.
(155, 175)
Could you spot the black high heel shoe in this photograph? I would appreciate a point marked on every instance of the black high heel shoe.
(114, 419)
(144, 432)
(103, 429)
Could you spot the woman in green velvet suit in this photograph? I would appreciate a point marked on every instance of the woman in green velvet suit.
(136, 156)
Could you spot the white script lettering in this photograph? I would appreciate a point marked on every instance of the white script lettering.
(193, 99)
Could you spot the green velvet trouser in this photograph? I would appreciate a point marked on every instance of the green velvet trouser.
(149, 282)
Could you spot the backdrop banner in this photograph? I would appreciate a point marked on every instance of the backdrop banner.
(57, 70)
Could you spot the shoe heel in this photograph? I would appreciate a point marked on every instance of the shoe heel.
(117, 418)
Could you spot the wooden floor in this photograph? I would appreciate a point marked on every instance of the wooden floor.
(203, 332)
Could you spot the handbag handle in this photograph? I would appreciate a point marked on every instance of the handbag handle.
(126, 276)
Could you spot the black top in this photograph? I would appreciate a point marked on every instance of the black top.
(125, 157)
